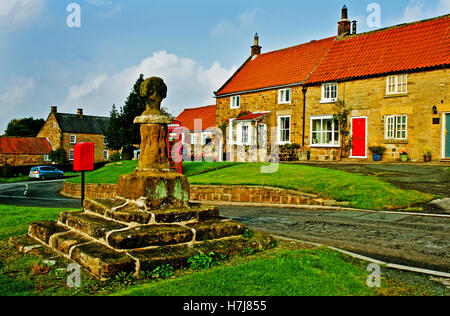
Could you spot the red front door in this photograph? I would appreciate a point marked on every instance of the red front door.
(359, 137)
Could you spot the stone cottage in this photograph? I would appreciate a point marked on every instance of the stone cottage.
(64, 130)
(395, 81)
(24, 151)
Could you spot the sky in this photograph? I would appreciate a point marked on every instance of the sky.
(49, 59)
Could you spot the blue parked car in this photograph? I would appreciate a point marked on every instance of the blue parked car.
(45, 172)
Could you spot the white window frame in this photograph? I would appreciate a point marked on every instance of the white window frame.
(282, 96)
(240, 133)
(232, 131)
(392, 127)
(205, 136)
(329, 98)
(74, 141)
(235, 102)
(105, 157)
(279, 131)
(194, 138)
(71, 154)
(397, 84)
(47, 158)
(333, 140)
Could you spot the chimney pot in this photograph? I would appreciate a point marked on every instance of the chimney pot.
(354, 26)
(80, 112)
(344, 25)
(256, 49)
(54, 109)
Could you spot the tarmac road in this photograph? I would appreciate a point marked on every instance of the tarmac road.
(36, 193)
(395, 238)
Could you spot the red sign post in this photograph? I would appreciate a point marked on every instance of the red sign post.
(83, 161)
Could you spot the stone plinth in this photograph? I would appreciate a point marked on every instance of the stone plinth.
(153, 142)
(158, 188)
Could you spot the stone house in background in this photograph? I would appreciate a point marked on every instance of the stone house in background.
(64, 130)
(396, 81)
(24, 151)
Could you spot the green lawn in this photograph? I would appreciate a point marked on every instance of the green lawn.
(289, 273)
(362, 191)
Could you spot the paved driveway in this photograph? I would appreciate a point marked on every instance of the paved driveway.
(396, 238)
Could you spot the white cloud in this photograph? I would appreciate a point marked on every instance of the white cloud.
(243, 21)
(420, 9)
(91, 83)
(189, 84)
(16, 14)
(13, 100)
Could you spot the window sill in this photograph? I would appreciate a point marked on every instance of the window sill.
(396, 95)
(324, 146)
(328, 101)
(284, 102)
(396, 141)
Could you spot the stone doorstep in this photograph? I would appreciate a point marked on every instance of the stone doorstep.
(132, 213)
(104, 262)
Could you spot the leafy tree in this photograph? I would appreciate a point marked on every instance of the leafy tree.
(26, 127)
(122, 133)
(59, 156)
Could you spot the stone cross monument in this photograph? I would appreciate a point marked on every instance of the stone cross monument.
(153, 181)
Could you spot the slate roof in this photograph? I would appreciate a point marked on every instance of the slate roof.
(73, 123)
(24, 145)
(206, 113)
(407, 47)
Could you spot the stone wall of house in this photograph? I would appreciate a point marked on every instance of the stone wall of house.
(367, 97)
(265, 101)
(51, 131)
(21, 160)
(97, 139)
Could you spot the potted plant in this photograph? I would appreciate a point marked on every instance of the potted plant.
(427, 154)
(304, 153)
(404, 156)
(377, 152)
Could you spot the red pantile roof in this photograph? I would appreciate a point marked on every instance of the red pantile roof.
(26, 146)
(278, 68)
(419, 45)
(206, 113)
(252, 116)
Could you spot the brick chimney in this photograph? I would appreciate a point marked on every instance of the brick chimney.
(344, 24)
(54, 110)
(256, 49)
(80, 112)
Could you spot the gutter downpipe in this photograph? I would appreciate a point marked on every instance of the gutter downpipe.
(304, 90)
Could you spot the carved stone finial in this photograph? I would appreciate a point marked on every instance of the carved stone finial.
(154, 90)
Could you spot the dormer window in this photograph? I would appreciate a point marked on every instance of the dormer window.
(397, 84)
(284, 96)
(329, 92)
(235, 102)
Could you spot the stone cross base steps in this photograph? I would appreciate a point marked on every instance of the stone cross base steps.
(114, 235)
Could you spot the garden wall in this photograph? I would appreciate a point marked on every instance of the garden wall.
(248, 194)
